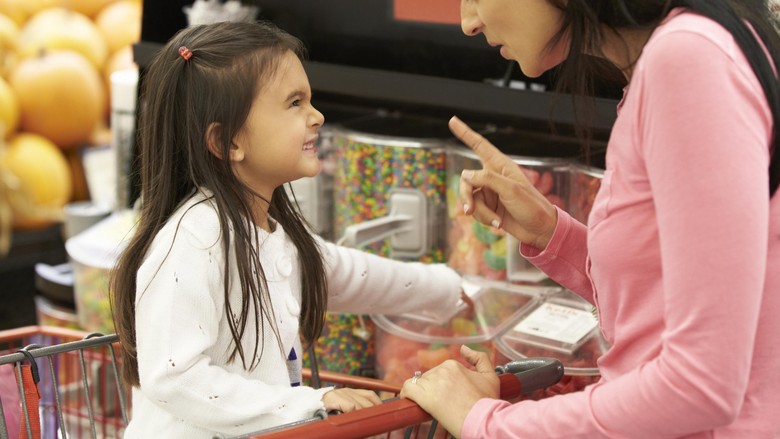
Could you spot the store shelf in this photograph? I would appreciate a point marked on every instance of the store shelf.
(456, 96)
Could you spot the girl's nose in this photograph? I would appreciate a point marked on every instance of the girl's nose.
(469, 20)
(317, 118)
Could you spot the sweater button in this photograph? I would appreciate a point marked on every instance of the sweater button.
(292, 307)
(284, 266)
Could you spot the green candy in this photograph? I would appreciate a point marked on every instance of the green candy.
(483, 233)
(494, 261)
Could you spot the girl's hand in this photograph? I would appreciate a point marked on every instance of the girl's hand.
(500, 195)
(347, 400)
(450, 390)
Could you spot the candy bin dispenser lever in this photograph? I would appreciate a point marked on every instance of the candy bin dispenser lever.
(405, 225)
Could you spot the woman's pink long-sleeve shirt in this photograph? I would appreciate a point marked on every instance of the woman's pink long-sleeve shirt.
(681, 255)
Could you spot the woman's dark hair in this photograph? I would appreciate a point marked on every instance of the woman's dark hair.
(583, 20)
(180, 99)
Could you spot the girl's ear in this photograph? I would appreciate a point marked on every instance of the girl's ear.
(213, 141)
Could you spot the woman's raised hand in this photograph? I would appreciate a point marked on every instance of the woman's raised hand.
(500, 195)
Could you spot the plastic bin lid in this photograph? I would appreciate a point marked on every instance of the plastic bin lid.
(558, 163)
(100, 245)
(562, 326)
(55, 282)
(497, 306)
(396, 130)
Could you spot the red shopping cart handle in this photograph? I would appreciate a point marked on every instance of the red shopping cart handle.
(524, 376)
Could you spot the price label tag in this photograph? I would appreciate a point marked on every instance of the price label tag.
(557, 322)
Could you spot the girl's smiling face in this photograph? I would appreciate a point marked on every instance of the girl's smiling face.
(522, 28)
(276, 144)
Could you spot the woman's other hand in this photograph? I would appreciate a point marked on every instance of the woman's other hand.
(500, 195)
(347, 400)
(450, 390)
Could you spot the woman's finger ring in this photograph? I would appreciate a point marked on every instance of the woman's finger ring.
(416, 376)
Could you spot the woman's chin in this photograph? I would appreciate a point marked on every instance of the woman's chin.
(531, 71)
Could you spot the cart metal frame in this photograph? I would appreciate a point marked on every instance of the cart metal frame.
(102, 401)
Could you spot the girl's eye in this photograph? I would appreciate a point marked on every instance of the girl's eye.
(296, 103)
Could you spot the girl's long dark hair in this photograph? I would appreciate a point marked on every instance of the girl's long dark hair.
(583, 20)
(180, 99)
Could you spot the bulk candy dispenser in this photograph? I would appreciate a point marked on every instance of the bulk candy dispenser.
(383, 164)
(562, 326)
(385, 160)
(51, 313)
(414, 342)
(585, 182)
(93, 254)
(476, 249)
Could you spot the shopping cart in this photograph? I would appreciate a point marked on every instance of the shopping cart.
(68, 384)
(80, 394)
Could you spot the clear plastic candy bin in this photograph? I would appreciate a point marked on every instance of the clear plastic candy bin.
(477, 249)
(585, 183)
(93, 254)
(415, 342)
(53, 314)
(562, 326)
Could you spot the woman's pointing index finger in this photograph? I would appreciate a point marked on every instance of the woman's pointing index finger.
(490, 156)
(471, 138)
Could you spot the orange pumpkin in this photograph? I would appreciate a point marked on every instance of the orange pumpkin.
(62, 29)
(90, 8)
(16, 10)
(120, 24)
(40, 180)
(9, 110)
(9, 33)
(61, 96)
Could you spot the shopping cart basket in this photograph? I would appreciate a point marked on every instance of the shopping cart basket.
(68, 384)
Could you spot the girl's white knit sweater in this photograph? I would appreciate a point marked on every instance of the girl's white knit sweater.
(189, 388)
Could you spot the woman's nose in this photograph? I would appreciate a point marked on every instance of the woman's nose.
(469, 20)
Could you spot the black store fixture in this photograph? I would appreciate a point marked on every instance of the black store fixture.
(361, 56)
(18, 276)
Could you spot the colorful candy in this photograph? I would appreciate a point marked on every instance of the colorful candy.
(370, 167)
(367, 168)
(407, 343)
(585, 184)
(476, 249)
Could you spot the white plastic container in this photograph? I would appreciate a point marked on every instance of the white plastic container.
(93, 254)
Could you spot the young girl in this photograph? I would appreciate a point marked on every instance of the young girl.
(681, 253)
(222, 278)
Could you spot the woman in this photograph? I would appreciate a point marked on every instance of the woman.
(681, 253)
